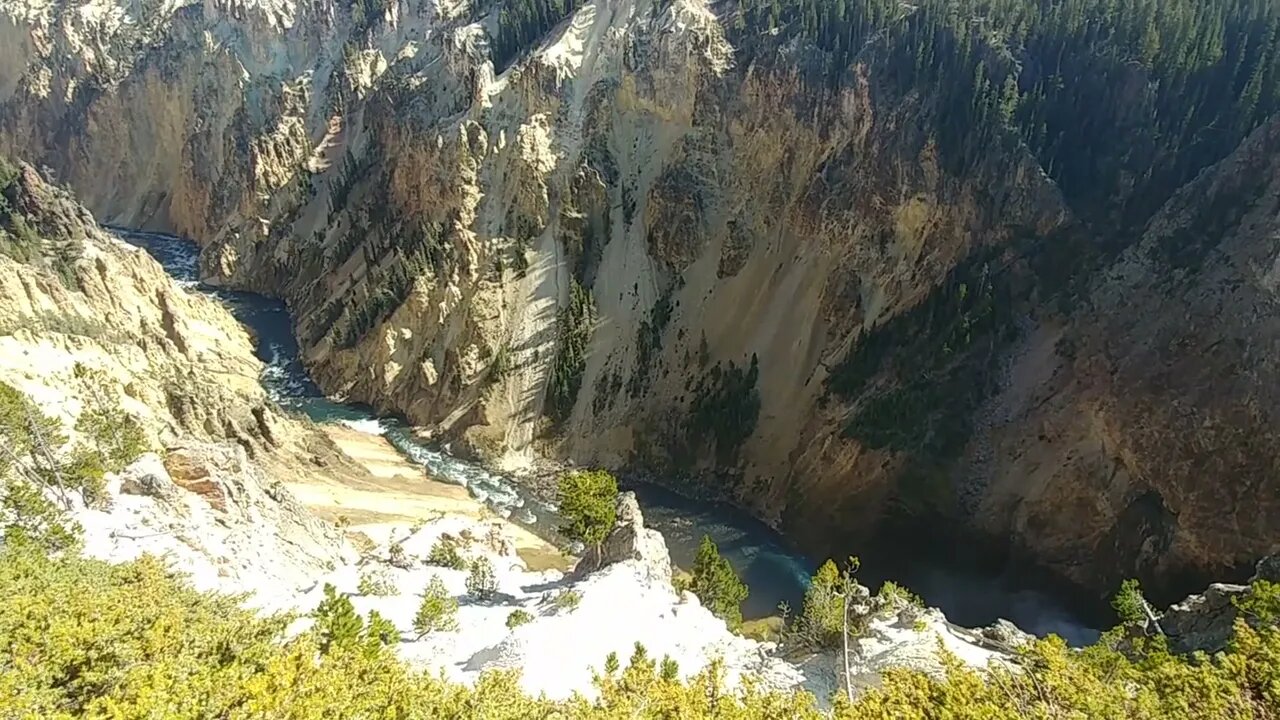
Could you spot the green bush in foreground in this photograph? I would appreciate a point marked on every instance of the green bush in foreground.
(517, 618)
(84, 639)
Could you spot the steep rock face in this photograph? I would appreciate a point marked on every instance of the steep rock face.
(638, 247)
(177, 361)
(1141, 433)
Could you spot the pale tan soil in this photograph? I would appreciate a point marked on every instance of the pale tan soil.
(398, 492)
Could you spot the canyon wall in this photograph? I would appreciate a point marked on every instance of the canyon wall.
(654, 242)
(87, 321)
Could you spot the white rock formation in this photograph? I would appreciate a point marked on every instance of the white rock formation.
(630, 540)
(224, 524)
(227, 526)
(619, 605)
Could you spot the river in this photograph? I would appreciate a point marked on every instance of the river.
(969, 592)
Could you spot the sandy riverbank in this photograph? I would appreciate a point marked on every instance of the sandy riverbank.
(398, 492)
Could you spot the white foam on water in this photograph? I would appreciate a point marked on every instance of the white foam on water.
(369, 426)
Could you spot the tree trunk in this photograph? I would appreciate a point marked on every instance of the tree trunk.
(848, 676)
(38, 439)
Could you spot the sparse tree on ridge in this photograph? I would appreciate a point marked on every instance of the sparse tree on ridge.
(588, 506)
(717, 585)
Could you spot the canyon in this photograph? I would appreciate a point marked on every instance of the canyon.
(655, 242)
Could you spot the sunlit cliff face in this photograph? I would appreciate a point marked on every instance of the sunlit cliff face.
(640, 247)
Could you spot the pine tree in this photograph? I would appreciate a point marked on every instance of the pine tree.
(588, 506)
(821, 623)
(438, 611)
(481, 583)
(717, 585)
(1130, 606)
(379, 633)
(117, 436)
(29, 443)
(337, 623)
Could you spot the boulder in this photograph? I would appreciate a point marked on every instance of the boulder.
(148, 476)
(1268, 568)
(629, 540)
(195, 469)
(1206, 621)
(1004, 635)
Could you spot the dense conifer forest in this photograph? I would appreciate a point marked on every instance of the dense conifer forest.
(1122, 101)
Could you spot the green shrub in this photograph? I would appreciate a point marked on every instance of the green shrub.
(379, 633)
(337, 623)
(821, 622)
(1129, 604)
(588, 506)
(481, 583)
(376, 583)
(84, 470)
(669, 670)
(438, 610)
(37, 449)
(84, 639)
(339, 629)
(894, 595)
(768, 629)
(445, 554)
(517, 618)
(397, 557)
(31, 521)
(717, 585)
(115, 434)
(681, 581)
(567, 600)
(1261, 603)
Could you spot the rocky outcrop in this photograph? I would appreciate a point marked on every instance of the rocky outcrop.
(1206, 621)
(641, 246)
(631, 541)
(194, 474)
(608, 611)
(89, 321)
(237, 531)
(890, 633)
(149, 477)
